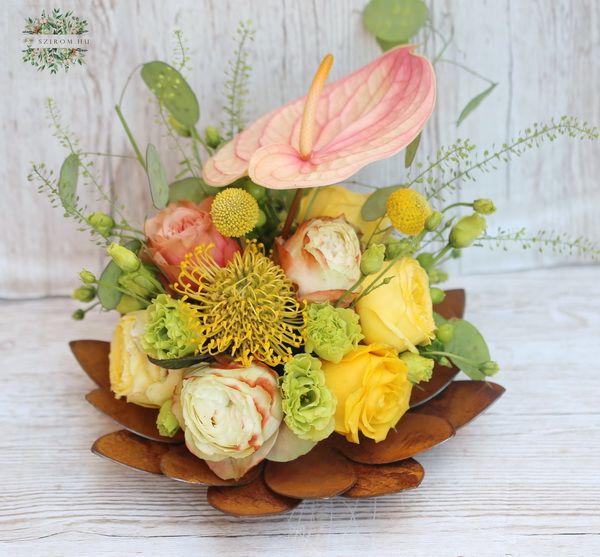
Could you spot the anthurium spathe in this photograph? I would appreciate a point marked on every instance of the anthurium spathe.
(336, 129)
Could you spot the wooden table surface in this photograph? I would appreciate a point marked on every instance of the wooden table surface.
(522, 480)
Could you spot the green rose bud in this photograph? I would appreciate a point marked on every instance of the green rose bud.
(331, 332)
(433, 221)
(256, 191)
(437, 295)
(425, 260)
(445, 332)
(467, 230)
(212, 137)
(166, 421)
(178, 127)
(87, 277)
(85, 293)
(308, 405)
(484, 206)
(372, 259)
(169, 331)
(489, 368)
(127, 304)
(437, 275)
(78, 315)
(101, 223)
(419, 368)
(125, 259)
(141, 283)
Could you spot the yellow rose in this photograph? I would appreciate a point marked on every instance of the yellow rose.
(372, 389)
(334, 201)
(132, 375)
(400, 313)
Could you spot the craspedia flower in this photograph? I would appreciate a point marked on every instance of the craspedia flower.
(246, 309)
(408, 210)
(172, 329)
(234, 212)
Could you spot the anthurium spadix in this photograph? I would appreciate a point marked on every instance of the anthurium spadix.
(336, 129)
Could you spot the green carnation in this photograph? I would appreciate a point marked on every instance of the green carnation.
(332, 332)
(308, 405)
(419, 368)
(171, 329)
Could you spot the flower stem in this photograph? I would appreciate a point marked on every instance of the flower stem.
(291, 214)
(134, 144)
(351, 289)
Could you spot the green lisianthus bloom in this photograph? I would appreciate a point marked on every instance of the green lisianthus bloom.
(331, 332)
(419, 368)
(166, 421)
(170, 331)
(307, 402)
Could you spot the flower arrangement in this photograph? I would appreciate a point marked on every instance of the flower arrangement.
(268, 312)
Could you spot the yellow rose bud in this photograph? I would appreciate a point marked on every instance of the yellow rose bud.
(132, 375)
(398, 313)
(372, 390)
(334, 201)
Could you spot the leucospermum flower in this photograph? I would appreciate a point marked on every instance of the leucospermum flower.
(234, 212)
(408, 210)
(246, 309)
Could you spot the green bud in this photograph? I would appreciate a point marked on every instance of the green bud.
(455, 253)
(425, 260)
(125, 259)
(484, 206)
(489, 368)
(101, 223)
(437, 295)
(127, 304)
(445, 332)
(179, 128)
(78, 315)
(372, 259)
(399, 248)
(261, 220)
(467, 230)
(87, 277)
(142, 283)
(212, 137)
(166, 421)
(437, 275)
(85, 293)
(419, 368)
(433, 221)
(256, 191)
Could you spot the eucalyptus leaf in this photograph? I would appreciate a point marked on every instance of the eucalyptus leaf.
(172, 91)
(411, 151)
(192, 189)
(67, 181)
(108, 295)
(388, 45)
(159, 187)
(395, 20)
(375, 205)
(179, 363)
(467, 342)
(474, 103)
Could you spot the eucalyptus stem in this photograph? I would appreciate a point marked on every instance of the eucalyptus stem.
(132, 140)
(466, 69)
(458, 204)
(451, 356)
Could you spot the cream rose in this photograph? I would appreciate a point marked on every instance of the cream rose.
(132, 375)
(230, 416)
(400, 313)
(322, 258)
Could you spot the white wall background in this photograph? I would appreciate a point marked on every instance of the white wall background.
(543, 54)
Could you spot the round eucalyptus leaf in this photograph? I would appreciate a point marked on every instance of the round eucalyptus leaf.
(192, 189)
(172, 91)
(108, 295)
(395, 21)
(159, 187)
(375, 205)
(67, 181)
(467, 342)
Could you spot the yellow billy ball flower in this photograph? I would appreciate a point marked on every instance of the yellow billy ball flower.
(234, 212)
(408, 210)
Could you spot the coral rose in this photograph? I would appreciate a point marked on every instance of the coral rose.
(178, 229)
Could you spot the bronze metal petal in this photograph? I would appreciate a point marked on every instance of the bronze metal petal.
(414, 433)
(453, 304)
(320, 474)
(130, 450)
(180, 464)
(384, 479)
(92, 356)
(136, 419)
(463, 401)
(253, 499)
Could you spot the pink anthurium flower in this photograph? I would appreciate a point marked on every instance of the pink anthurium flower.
(335, 130)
